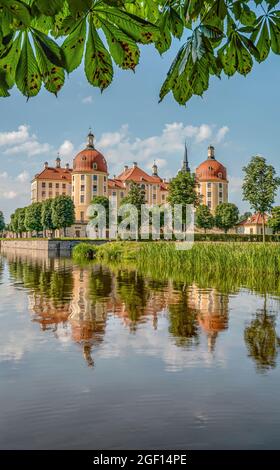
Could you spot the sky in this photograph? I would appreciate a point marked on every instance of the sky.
(239, 116)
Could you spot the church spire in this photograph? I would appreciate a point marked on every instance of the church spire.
(185, 166)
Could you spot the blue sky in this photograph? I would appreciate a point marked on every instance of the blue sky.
(239, 116)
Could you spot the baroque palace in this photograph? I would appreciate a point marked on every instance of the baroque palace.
(89, 177)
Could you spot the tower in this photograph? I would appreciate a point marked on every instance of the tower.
(185, 166)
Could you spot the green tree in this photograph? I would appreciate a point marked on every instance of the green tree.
(260, 186)
(103, 201)
(182, 190)
(33, 217)
(226, 216)
(46, 216)
(19, 221)
(204, 219)
(136, 196)
(63, 212)
(274, 220)
(2, 222)
(245, 216)
(40, 41)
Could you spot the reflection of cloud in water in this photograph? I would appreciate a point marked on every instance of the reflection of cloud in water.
(153, 343)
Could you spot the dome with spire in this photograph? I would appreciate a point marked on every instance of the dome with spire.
(90, 159)
(211, 169)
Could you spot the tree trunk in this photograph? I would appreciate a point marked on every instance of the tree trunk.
(263, 227)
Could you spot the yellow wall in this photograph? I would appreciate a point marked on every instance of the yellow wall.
(41, 190)
(83, 185)
(213, 193)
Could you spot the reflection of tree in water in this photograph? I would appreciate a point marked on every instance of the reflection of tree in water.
(100, 284)
(132, 290)
(1, 269)
(262, 340)
(183, 319)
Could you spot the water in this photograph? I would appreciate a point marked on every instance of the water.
(99, 358)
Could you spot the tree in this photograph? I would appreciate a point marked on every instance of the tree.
(245, 216)
(204, 218)
(260, 186)
(33, 217)
(46, 216)
(103, 201)
(19, 220)
(2, 222)
(274, 220)
(40, 40)
(63, 212)
(226, 216)
(136, 196)
(182, 190)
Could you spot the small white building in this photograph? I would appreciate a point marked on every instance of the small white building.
(254, 225)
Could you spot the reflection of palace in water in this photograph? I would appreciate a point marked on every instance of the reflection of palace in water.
(81, 299)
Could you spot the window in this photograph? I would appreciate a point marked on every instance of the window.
(143, 186)
(57, 185)
(94, 166)
(209, 185)
(209, 204)
(114, 193)
(220, 195)
(50, 185)
(209, 194)
(64, 186)
(43, 193)
(163, 197)
(221, 185)
(94, 188)
(105, 178)
(82, 187)
(83, 177)
(43, 185)
(50, 194)
(105, 189)
(94, 177)
(73, 178)
(154, 196)
(220, 175)
(251, 231)
(82, 199)
(82, 216)
(122, 194)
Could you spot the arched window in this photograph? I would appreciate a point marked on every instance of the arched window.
(220, 175)
(94, 166)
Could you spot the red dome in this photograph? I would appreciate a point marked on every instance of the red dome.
(211, 169)
(90, 160)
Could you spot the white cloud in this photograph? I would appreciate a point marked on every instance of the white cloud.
(87, 100)
(121, 148)
(235, 183)
(10, 194)
(221, 134)
(4, 175)
(66, 150)
(22, 142)
(14, 137)
(23, 177)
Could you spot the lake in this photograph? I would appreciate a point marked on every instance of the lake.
(108, 357)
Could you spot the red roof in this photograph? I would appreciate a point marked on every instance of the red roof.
(138, 175)
(86, 160)
(211, 170)
(60, 174)
(257, 219)
(115, 184)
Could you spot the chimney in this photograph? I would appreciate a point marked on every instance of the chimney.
(67, 166)
(134, 164)
(211, 152)
(46, 165)
(125, 167)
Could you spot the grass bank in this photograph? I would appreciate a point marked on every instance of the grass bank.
(215, 257)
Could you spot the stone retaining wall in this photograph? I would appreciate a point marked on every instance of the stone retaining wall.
(50, 246)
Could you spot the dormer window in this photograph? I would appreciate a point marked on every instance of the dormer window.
(220, 175)
(94, 166)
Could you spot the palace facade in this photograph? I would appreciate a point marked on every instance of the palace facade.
(89, 177)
